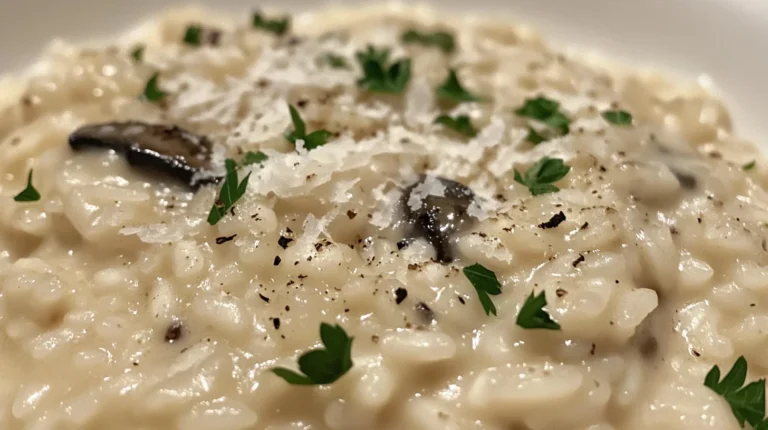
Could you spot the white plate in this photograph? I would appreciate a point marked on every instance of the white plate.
(724, 39)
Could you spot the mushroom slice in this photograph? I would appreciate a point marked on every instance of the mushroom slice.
(438, 217)
(168, 149)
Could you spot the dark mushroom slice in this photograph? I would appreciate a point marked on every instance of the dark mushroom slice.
(438, 217)
(159, 148)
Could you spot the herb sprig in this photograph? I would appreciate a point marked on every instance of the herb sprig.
(278, 26)
(749, 166)
(28, 194)
(747, 402)
(312, 140)
(138, 53)
(540, 177)
(152, 91)
(193, 35)
(453, 91)
(460, 124)
(335, 61)
(441, 39)
(231, 191)
(486, 284)
(618, 117)
(254, 158)
(533, 315)
(322, 366)
(378, 76)
(546, 111)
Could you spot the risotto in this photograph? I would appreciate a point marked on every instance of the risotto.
(373, 219)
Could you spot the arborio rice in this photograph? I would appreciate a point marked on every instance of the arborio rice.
(136, 295)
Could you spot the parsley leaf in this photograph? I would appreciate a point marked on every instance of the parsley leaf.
(312, 140)
(335, 61)
(460, 124)
(532, 315)
(539, 177)
(322, 366)
(254, 158)
(453, 91)
(748, 402)
(618, 117)
(485, 283)
(28, 194)
(546, 111)
(534, 137)
(138, 53)
(379, 78)
(192, 36)
(277, 26)
(231, 191)
(440, 39)
(152, 91)
(749, 166)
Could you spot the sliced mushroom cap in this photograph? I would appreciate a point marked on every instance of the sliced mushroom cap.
(167, 149)
(438, 217)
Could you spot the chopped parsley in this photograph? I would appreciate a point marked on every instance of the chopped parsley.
(380, 78)
(335, 61)
(152, 91)
(748, 402)
(138, 53)
(540, 177)
(440, 39)
(193, 35)
(230, 193)
(254, 158)
(749, 166)
(460, 124)
(322, 366)
(28, 194)
(546, 111)
(277, 26)
(486, 284)
(618, 117)
(451, 90)
(312, 140)
(532, 315)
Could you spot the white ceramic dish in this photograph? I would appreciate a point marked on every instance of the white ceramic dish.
(722, 39)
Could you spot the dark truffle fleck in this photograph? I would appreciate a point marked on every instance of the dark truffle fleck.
(284, 241)
(400, 295)
(553, 222)
(263, 297)
(351, 214)
(277, 261)
(174, 332)
(401, 245)
(224, 239)
(578, 260)
(276, 323)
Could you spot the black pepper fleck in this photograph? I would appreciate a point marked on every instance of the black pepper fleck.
(276, 323)
(351, 214)
(277, 261)
(263, 297)
(553, 222)
(401, 245)
(284, 241)
(461, 299)
(578, 260)
(224, 239)
(400, 295)
(174, 332)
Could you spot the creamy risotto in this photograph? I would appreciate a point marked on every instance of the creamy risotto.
(372, 219)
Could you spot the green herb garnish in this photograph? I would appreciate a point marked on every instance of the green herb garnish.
(749, 166)
(230, 193)
(532, 315)
(254, 158)
(312, 140)
(322, 366)
(540, 177)
(748, 402)
(451, 90)
(138, 53)
(534, 137)
(335, 61)
(277, 26)
(193, 35)
(379, 78)
(460, 124)
(152, 92)
(618, 117)
(28, 194)
(485, 284)
(546, 111)
(440, 39)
